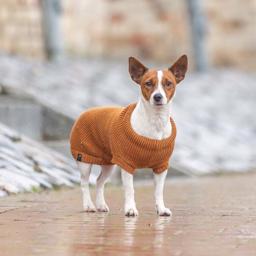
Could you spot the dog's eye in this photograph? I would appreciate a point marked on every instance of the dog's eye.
(148, 84)
(169, 84)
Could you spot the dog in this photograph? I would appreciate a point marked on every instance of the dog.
(141, 135)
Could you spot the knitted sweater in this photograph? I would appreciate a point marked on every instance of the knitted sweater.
(104, 136)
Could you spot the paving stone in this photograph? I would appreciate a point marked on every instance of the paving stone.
(211, 216)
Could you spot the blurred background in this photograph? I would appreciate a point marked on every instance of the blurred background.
(60, 57)
(156, 29)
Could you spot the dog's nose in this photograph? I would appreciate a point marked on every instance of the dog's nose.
(158, 97)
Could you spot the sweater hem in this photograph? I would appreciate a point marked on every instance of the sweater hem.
(125, 166)
(160, 169)
(82, 157)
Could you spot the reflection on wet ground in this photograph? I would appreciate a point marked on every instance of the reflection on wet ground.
(211, 216)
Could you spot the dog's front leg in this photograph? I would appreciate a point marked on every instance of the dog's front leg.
(130, 205)
(159, 190)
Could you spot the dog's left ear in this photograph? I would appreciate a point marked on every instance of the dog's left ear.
(136, 69)
(179, 68)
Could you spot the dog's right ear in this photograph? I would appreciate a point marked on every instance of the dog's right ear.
(136, 70)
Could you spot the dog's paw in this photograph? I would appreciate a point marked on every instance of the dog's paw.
(89, 207)
(102, 207)
(131, 212)
(163, 211)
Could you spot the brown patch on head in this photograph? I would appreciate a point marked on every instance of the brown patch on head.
(149, 83)
(146, 78)
(169, 84)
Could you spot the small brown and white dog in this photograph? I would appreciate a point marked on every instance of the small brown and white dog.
(151, 119)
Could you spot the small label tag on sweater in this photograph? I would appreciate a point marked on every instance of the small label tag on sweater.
(79, 157)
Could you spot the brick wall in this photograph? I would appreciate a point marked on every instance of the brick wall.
(20, 27)
(157, 29)
(115, 28)
(232, 33)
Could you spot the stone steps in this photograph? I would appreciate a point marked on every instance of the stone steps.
(26, 165)
(33, 119)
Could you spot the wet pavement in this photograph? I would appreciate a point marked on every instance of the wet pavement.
(211, 216)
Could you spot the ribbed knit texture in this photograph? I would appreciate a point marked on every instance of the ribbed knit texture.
(104, 135)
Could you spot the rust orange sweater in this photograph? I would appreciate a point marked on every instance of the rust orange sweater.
(104, 135)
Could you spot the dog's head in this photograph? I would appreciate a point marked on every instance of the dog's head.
(158, 86)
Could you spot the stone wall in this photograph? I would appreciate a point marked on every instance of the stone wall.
(157, 29)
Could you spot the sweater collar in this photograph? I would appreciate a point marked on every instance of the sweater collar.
(142, 140)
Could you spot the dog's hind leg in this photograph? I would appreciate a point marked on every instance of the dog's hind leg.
(85, 170)
(106, 171)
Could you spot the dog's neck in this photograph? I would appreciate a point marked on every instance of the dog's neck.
(151, 121)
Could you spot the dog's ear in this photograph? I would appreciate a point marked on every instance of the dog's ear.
(179, 68)
(136, 69)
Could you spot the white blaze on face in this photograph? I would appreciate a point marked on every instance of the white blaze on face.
(159, 88)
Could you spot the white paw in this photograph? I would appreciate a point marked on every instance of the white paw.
(163, 211)
(89, 207)
(102, 207)
(131, 212)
